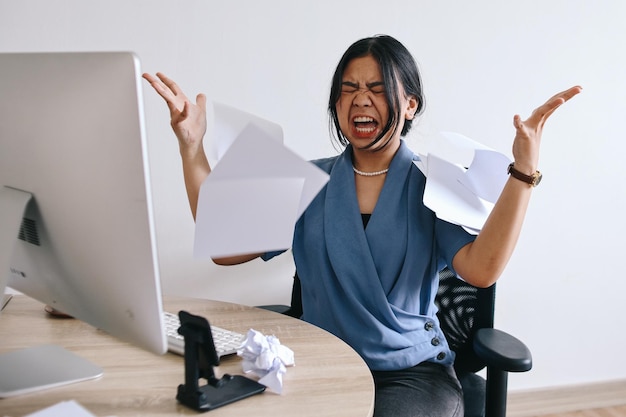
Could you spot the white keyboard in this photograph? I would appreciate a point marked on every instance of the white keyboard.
(226, 341)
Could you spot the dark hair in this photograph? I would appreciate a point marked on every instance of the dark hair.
(396, 64)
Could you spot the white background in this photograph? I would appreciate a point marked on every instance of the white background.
(482, 62)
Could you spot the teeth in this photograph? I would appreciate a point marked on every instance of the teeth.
(363, 119)
(365, 130)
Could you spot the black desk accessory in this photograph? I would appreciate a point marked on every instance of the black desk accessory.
(200, 358)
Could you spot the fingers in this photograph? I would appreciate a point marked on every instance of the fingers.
(159, 87)
(559, 99)
(170, 92)
(149, 77)
(568, 94)
(174, 88)
(186, 110)
(153, 80)
(183, 113)
(543, 112)
(562, 97)
(201, 101)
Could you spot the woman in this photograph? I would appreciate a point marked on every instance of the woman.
(367, 250)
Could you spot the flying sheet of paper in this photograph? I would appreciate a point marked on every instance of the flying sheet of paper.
(459, 195)
(253, 215)
(450, 199)
(253, 197)
(228, 123)
(487, 174)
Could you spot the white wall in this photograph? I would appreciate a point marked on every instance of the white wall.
(482, 61)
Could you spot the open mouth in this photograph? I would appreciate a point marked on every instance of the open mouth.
(364, 125)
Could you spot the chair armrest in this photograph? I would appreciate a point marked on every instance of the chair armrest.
(502, 351)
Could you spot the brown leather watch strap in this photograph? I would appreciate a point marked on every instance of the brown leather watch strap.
(532, 180)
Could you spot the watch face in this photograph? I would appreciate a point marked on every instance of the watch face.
(537, 178)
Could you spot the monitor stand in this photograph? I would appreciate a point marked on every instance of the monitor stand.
(41, 367)
(31, 369)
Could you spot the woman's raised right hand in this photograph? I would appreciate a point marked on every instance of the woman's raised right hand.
(188, 120)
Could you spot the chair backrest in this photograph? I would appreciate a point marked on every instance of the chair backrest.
(295, 309)
(463, 309)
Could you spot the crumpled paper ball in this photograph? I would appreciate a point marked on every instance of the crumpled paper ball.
(266, 358)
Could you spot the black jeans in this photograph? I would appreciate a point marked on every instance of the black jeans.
(425, 390)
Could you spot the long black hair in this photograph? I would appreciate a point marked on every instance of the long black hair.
(396, 65)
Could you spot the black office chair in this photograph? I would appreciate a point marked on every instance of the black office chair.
(466, 316)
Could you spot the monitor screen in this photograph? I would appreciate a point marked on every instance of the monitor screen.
(73, 156)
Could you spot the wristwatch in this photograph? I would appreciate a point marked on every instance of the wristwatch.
(532, 180)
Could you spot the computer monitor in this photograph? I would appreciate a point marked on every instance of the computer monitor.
(75, 183)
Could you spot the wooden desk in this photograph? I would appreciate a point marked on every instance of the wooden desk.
(329, 378)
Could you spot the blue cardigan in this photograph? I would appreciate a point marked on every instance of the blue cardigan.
(375, 287)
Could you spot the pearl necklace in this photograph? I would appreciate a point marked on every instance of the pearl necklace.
(370, 174)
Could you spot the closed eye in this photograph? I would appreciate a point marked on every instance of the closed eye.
(348, 87)
(377, 87)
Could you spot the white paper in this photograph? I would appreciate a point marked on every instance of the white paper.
(449, 199)
(229, 122)
(253, 215)
(266, 358)
(246, 204)
(462, 148)
(459, 195)
(487, 174)
(255, 154)
(63, 409)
